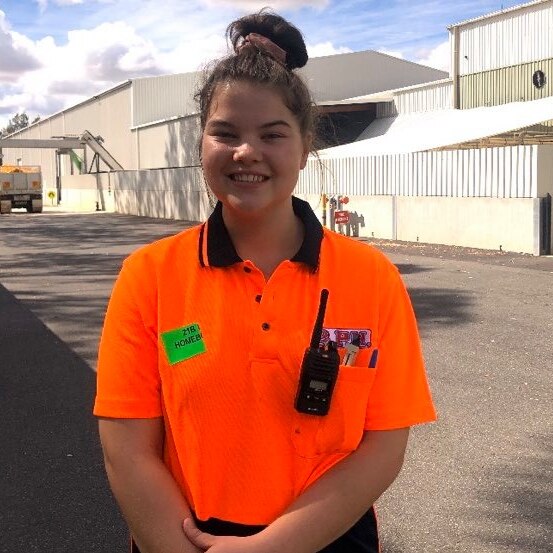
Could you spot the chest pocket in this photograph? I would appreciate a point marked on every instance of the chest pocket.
(341, 430)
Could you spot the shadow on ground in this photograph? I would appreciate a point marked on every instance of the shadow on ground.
(516, 499)
(55, 495)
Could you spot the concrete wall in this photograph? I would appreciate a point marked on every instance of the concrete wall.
(164, 193)
(81, 192)
(488, 223)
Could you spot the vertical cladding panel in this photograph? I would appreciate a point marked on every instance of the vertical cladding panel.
(505, 85)
(107, 116)
(429, 98)
(533, 192)
(527, 32)
(501, 172)
(432, 180)
(508, 166)
(159, 98)
(500, 158)
(423, 171)
(520, 174)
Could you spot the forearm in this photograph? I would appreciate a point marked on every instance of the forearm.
(148, 496)
(328, 508)
(152, 505)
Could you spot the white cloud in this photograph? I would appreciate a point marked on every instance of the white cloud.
(17, 56)
(438, 57)
(90, 61)
(326, 49)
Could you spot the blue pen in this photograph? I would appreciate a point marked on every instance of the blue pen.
(374, 359)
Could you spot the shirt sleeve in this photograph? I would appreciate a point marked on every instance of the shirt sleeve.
(400, 395)
(128, 382)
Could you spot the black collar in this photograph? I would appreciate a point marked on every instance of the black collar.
(219, 251)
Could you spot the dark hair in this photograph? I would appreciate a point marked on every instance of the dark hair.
(255, 64)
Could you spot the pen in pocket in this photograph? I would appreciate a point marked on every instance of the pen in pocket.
(352, 349)
(374, 359)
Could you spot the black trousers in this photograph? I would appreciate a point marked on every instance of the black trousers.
(362, 537)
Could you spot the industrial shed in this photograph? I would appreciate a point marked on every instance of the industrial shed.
(152, 122)
(486, 187)
(465, 160)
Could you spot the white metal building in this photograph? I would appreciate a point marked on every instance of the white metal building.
(152, 122)
(494, 197)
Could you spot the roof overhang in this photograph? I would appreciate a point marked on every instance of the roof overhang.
(444, 128)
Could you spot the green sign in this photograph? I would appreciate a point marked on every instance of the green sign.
(183, 343)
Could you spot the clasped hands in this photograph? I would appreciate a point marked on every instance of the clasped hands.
(226, 544)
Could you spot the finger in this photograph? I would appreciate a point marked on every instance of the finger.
(200, 539)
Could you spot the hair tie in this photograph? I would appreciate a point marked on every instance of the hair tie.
(266, 44)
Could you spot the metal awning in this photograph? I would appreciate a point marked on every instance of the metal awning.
(375, 98)
(440, 129)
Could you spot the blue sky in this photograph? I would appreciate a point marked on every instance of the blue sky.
(56, 53)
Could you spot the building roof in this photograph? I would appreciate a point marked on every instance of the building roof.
(438, 129)
(498, 13)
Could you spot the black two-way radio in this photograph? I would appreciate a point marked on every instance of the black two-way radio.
(319, 370)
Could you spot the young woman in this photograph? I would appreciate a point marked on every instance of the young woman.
(220, 432)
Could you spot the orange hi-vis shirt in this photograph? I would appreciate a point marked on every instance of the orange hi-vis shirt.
(196, 335)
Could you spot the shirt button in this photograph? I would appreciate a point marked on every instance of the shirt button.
(247, 270)
(265, 326)
(258, 298)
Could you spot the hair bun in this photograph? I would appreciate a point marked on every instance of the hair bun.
(275, 28)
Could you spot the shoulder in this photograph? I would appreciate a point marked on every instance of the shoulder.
(354, 255)
(185, 245)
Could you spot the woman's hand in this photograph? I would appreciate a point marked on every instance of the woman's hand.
(224, 544)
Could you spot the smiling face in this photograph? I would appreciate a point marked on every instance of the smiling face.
(252, 149)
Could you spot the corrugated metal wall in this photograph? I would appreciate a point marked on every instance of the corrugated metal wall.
(428, 98)
(506, 172)
(160, 98)
(508, 84)
(108, 115)
(171, 144)
(514, 38)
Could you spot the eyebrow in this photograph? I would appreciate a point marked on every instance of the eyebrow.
(223, 123)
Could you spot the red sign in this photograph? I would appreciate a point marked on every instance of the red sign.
(341, 217)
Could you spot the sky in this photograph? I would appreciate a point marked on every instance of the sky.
(57, 53)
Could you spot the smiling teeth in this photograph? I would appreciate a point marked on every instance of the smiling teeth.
(248, 178)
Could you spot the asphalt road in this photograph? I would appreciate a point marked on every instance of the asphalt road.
(480, 480)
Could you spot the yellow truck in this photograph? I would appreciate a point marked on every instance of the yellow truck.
(20, 186)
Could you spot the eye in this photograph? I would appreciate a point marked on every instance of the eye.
(223, 134)
(273, 136)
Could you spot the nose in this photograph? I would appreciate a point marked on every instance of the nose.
(247, 152)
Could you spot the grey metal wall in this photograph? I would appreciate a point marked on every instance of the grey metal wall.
(507, 84)
(429, 97)
(161, 98)
(504, 172)
(361, 73)
(515, 37)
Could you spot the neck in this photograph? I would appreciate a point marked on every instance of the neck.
(266, 239)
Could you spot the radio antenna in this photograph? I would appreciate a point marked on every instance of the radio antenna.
(318, 328)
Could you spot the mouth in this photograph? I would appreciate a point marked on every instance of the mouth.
(247, 177)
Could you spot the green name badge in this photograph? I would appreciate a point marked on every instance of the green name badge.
(183, 343)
